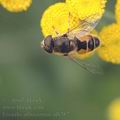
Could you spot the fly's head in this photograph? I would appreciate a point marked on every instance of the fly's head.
(47, 44)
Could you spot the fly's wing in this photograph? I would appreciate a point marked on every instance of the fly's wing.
(92, 68)
(85, 26)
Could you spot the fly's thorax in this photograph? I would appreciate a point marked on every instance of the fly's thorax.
(63, 45)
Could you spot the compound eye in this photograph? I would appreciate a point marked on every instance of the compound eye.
(48, 40)
(48, 44)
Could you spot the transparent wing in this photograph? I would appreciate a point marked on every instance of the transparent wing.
(92, 68)
(85, 26)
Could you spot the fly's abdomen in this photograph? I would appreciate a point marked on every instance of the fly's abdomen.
(87, 43)
(93, 43)
(90, 44)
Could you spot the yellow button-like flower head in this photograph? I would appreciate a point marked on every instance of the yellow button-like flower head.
(16, 5)
(56, 19)
(118, 11)
(110, 49)
(114, 110)
(86, 7)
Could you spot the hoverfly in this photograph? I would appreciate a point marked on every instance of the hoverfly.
(77, 40)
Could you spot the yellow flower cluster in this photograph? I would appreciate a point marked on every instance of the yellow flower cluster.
(110, 50)
(110, 36)
(114, 110)
(86, 7)
(55, 19)
(57, 15)
(61, 16)
(16, 5)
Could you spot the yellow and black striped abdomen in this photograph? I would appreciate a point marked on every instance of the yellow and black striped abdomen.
(87, 43)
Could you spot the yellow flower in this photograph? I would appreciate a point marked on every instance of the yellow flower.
(110, 49)
(16, 5)
(55, 19)
(117, 10)
(114, 110)
(87, 7)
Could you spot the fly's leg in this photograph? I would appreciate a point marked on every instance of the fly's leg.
(57, 33)
(69, 15)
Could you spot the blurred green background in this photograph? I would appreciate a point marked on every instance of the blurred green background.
(38, 86)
